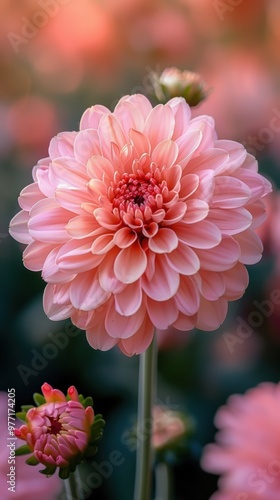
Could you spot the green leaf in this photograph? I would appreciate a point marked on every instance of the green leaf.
(21, 415)
(22, 450)
(32, 461)
(39, 399)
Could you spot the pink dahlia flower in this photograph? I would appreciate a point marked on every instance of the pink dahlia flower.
(247, 452)
(169, 427)
(141, 220)
(27, 479)
(58, 431)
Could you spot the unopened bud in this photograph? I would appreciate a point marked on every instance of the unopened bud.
(175, 83)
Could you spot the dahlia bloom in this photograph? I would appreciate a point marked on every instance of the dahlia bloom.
(59, 431)
(141, 220)
(27, 479)
(169, 427)
(247, 452)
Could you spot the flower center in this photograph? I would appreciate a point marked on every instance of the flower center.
(54, 427)
(135, 191)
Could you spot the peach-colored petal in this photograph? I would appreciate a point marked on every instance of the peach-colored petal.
(165, 281)
(86, 293)
(187, 298)
(162, 314)
(29, 196)
(86, 145)
(76, 256)
(51, 272)
(251, 247)
(130, 263)
(165, 241)
(233, 222)
(183, 260)
(222, 257)
(132, 112)
(35, 255)
(18, 228)
(203, 235)
(197, 210)
(140, 340)
(165, 154)
(159, 124)
(120, 326)
(92, 116)
(129, 300)
(62, 145)
(230, 192)
(211, 314)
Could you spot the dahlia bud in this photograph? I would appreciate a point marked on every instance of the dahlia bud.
(60, 432)
(169, 428)
(175, 83)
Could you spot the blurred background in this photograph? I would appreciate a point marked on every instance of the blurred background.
(58, 57)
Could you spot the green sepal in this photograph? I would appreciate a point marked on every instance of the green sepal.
(49, 470)
(32, 461)
(39, 399)
(97, 428)
(90, 451)
(87, 402)
(21, 415)
(22, 450)
(25, 408)
(64, 473)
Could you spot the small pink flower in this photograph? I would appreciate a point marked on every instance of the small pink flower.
(247, 452)
(58, 432)
(142, 220)
(168, 427)
(175, 83)
(27, 479)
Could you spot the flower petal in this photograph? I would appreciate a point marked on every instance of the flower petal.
(165, 241)
(183, 260)
(140, 341)
(128, 301)
(251, 247)
(230, 221)
(123, 327)
(165, 281)
(220, 258)
(130, 263)
(203, 234)
(162, 314)
(86, 293)
(211, 314)
(35, 255)
(18, 227)
(159, 124)
(76, 256)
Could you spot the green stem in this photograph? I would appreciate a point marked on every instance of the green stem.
(146, 389)
(163, 481)
(71, 485)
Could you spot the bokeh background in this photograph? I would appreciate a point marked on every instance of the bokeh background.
(58, 57)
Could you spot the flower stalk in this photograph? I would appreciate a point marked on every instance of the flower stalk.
(146, 394)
